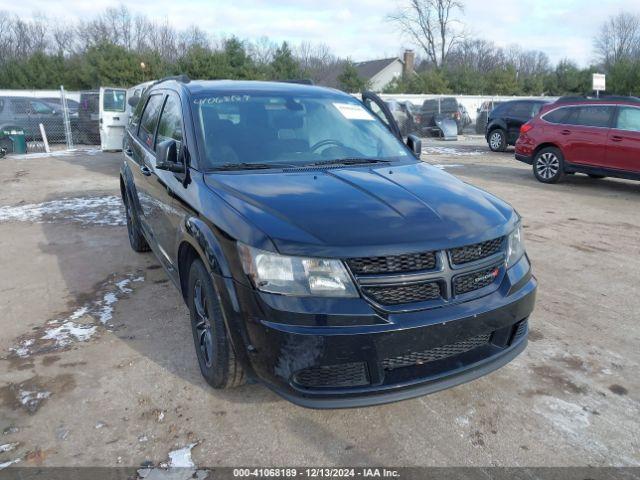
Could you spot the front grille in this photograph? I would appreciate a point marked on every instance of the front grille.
(396, 295)
(343, 375)
(412, 262)
(475, 280)
(477, 251)
(437, 353)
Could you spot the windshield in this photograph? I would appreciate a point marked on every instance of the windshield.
(292, 130)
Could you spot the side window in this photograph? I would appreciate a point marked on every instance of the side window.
(557, 116)
(1, 104)
(594, 116)
(149, 119)
(20, 106)
(520, 110)
(39, 107)
(170, 125)
(137, 112)
(628, 119)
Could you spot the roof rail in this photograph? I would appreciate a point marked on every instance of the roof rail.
(301, 81)
(603, 98)
(183, 78)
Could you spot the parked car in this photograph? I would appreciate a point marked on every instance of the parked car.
(446, 107)
(56, 104)
(28, 113)
(315, 251)
(483, 114)
(599, 137)
(505, 120)
(403, 115)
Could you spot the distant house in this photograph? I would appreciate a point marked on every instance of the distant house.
(378, 73)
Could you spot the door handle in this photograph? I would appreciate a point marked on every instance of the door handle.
(128, 152)
(617, 138)
(146, 171)
(565, 132)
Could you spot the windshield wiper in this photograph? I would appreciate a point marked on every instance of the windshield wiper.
(248, 166)
(348, 161)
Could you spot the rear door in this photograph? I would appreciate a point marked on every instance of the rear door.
(585, 134)
(623, 145)
(379, 108)
(113, 117)
(517, 114)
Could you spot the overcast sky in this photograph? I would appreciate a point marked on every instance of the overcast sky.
(357, 28)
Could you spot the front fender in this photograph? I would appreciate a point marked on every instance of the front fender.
(200, 236)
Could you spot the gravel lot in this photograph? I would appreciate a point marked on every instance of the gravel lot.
(98, 366)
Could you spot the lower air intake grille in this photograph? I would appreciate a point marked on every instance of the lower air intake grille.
(475, 280)
(397, 295)
(477, 251)
(342, 375)
(520, 332)
(437, 353)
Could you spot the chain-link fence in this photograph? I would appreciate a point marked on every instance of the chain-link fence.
(51, 120)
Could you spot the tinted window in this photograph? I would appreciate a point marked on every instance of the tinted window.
(150, 119)
(114, 100)
(170, 125)
(592, 116)
(557, 116)
(520, 110)
(535, 109)
(20, 106)
(628, 119)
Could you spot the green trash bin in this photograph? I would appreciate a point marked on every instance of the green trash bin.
(12, 140)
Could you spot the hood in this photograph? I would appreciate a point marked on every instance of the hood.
(361, 211)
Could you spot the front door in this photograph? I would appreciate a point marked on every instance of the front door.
(379, 108)
(623, 146)
(113, 117)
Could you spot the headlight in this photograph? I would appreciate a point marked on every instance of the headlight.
(516, 246)
(274, 273)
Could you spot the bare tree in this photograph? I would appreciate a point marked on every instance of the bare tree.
(619, 38)
(432, 25)
(315, 59)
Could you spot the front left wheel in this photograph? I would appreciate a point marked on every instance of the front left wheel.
(216, 358)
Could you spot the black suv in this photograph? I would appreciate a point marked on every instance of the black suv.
(315, 252)
(505, 120)
(27, 114)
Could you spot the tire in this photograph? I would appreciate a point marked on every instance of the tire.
(598, 177)
(136, 238)
(548, 165)
(216, 358)
(497, 140)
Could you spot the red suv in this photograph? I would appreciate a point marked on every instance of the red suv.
(599, 137)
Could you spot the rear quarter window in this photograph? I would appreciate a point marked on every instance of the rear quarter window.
(557, 116)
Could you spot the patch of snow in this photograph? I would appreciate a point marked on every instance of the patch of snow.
(462, 421)
(80, 312)
(161, 416)
(138, 279)
(23, 349)
(122, 285)
(182, 458)
(8, 464)
(106, 312)
(443, 166)
(7, 447)
(104, 211)
(456, 152)
(143, 439)
(68, 331)
(100, 425)
(31, 399)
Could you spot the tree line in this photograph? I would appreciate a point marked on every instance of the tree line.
(119, 48)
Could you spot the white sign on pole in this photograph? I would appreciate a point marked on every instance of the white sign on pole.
(599, 82)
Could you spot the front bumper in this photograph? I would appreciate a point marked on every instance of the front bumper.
(375, 357)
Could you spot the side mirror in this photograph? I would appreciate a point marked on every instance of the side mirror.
(133, 101)
(167, 157)
(415, 144)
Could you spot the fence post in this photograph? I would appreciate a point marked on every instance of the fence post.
(44, 139)
(67, 121)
